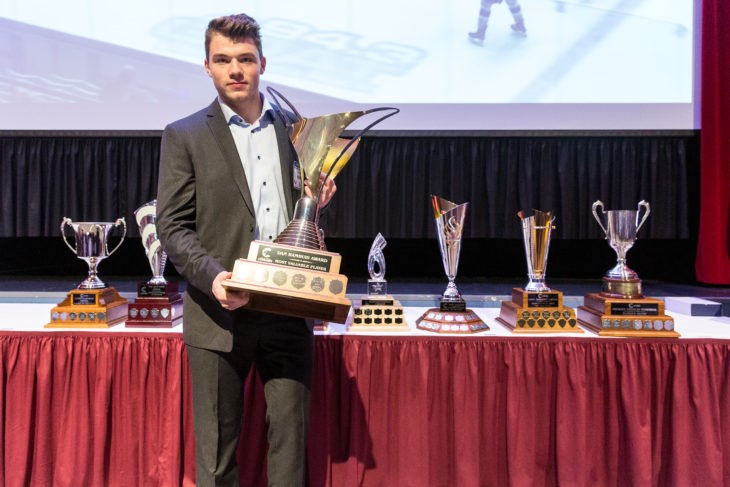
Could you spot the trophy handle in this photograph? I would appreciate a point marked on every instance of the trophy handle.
(116, 224)
(597, 204)
(355, 139)
(64, 222)
(644, 204)
(275, 95)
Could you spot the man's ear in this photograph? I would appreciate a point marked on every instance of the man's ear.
(263, 65)
(207, 68)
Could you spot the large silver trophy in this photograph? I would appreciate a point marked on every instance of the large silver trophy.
(158, 302)
(621, 309)
(93, 303)
(536, 307)
(295, 275)
(620, 229)
(451, 316)
(378, 310)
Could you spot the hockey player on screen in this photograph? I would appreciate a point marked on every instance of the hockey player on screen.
(477, 36)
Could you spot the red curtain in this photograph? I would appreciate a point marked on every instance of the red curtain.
(102, 409)
(713, 246)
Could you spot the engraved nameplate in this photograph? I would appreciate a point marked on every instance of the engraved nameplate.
(457, 306)
(543, 300)
(293, 257)
(634, 309)
(152, 290)
(376, 302)
(84, 299)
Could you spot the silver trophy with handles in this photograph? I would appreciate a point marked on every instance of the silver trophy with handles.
(93, 304)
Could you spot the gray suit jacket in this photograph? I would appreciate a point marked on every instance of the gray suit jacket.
(205, 216)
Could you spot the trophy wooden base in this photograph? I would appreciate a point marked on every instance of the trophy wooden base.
(622, 317)
(156, 306)
(451, 319)
(378, 313)
(291, 291)
(89, 308)
(538, 312)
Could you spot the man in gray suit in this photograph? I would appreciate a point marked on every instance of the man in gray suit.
(226, 178)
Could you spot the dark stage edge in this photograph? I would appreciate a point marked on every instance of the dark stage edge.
(478, 292)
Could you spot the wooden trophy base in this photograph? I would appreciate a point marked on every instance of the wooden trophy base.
(89, 308)
(156, 306)
(378, 313)
(451, 318)
(292, 281)
(538, 312)
(622, 317)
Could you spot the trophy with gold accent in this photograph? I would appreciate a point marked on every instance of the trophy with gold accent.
(452, 315)
(621, 309)
(158, 302)
(378, 311)
(295, 275)
(536, 308)
(92, 304)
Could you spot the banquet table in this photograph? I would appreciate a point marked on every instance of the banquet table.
(112, 407)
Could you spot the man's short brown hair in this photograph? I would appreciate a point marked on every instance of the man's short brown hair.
(235, 26)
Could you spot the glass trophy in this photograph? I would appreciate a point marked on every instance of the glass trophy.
(378, 310)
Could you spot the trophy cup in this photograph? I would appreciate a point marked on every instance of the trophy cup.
(158, 302)
(295, 275)
(620, 309)
(536, 308)
(92, 304)
(452, 315)
(378, 310)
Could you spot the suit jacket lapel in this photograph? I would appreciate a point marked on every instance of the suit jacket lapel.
(219, 127)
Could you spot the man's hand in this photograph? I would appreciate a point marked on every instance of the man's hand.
(229, 299)
(328, 190)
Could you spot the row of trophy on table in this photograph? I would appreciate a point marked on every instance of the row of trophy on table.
(296, 275)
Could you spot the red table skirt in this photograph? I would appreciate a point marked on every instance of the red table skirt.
(113, 409)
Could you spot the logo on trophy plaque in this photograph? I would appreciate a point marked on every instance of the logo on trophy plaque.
(621, 309)
(295, 275)
(378, 311)
(92, 304)
(158, 302)
(536, 308)
(452, 315)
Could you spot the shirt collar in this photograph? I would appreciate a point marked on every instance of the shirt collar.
(267, 114)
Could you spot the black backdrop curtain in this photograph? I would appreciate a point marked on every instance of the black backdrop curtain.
(386, 186)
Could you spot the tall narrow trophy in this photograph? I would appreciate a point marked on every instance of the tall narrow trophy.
(378, 311)
(295, 275)
(536, 308)
(452, 315)
(621, 309)
(158, 302)
(92, 304)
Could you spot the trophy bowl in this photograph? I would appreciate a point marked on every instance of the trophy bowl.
(620, 230)
(91, 246)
